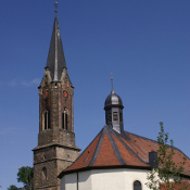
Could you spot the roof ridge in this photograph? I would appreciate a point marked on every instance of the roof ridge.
(102, 133)
(128, 147)
(115, 148)
(84, 150)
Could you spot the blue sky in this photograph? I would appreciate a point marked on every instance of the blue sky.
(144, 43)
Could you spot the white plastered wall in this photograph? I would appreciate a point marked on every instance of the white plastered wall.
(76, 181)
(69, 182)
(112, 179)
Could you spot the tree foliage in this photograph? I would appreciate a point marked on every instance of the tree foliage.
(25, 176)
(13, 187)
(167, 171)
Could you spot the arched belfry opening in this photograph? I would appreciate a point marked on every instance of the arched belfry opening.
(65, 119)
(46, 120)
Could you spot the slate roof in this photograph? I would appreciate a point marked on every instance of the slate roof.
(110, 149)
(56, 59)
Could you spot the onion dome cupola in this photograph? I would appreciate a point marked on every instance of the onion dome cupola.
(113, 107)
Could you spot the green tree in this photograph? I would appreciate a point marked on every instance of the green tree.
(25, 176)
(166, 168)
(13, 187)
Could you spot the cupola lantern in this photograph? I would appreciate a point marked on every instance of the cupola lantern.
(113, 107)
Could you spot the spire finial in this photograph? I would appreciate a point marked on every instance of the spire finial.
(111, 80)
(56, 3)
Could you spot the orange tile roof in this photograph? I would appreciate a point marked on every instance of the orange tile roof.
(110, 149)
(142, 146)
(178, 186)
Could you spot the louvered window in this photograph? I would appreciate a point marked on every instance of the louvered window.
(115, 116)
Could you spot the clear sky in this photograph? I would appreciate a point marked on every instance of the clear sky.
(144, 43)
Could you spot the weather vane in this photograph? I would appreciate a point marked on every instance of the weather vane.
(56, 3)
(111, 79)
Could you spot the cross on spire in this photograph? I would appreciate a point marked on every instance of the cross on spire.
(56, 3)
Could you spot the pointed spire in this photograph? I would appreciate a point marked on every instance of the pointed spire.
(56, 59)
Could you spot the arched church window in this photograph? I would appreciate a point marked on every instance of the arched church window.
(44, 173)
(137, 185)
(46, 120)
(65, 119)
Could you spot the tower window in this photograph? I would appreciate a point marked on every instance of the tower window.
(46, 120)
(115, 116)
(137, 185)
(65, 119)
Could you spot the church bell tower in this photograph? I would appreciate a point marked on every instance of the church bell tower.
(56, 147)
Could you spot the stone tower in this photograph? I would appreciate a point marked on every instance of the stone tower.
(56, 147)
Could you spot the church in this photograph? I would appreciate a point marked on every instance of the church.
(115, 159)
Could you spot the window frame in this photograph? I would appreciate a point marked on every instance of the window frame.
(137, 185)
